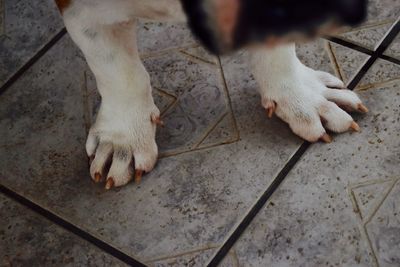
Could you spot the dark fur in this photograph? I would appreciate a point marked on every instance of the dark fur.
(258, 19)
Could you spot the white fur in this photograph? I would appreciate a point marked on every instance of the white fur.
(302, 96)
(105, 32)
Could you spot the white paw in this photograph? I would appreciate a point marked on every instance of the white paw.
(121, 144)
(311, 102)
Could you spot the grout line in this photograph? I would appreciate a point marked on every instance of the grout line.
(184, 253)
(32, 61)
(390, 59)
(348, 44)
(70, 227)
(364, 50)
(378, 206)
(369, 26)
(38, 209)
(385, 42)
(228, 244)
(152, 54)
(332, 56)
(244, 224)
(377, 84)
(369, 219)
(210, 129)
(197, 59)
(228, 97)
(361, 227)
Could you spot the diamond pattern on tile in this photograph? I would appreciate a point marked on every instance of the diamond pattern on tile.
(171, 75)
(381, 11)
(27, 27)
(312, 212)
(348, 61)
(369, 195)
(201, 100)
(163, 100)
(156, 36)
(199, 53)
(197, 258)
(336, 59)
(26, 239)
(189, 201)
(194, 259)
(381, 71)
(384, 229)
(368, 37)
(316, 55)
(193, 201)
(50, 100)
(380, 17)
(223, 130)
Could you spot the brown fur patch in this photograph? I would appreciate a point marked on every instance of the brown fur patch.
(227, 16)
(63, 4)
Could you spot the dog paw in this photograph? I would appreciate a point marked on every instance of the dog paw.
(121, 144)
(312, 102)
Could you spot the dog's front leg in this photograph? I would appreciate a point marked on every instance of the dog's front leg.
(309, 101)
(124, 131)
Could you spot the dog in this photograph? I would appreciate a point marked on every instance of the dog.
(310, 101)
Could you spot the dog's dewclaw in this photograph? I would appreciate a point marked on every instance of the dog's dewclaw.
(138, 176)
(270, 112)
(157, 121)
(270, 107)
(362, 108)
(326, 138)
(109, 183)
(97, 177)
(355, 127)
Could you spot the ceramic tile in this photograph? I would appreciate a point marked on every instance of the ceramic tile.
(381, 71)
(219, 153)
(394, 48)
(189, 201)
(348, 61)
(157, 36)
(27, 239)
(380, 17)
(194, 259)
(25, 27)
(325, 210)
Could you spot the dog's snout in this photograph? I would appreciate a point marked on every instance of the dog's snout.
(225, 25)
(199, 20)
(351, 12)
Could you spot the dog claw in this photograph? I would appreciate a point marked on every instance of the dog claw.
(270, 109)
(109, 183)
(326, 138)
(355, 127)
(157, 121)
(138, 176)
(362, 108)
(97, 177)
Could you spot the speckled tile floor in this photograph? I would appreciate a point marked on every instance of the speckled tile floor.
(228, 189)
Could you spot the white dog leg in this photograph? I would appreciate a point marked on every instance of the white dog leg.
(309, 101)
(125, 127)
